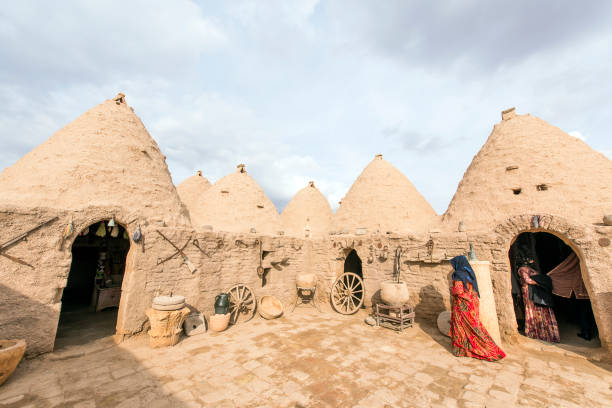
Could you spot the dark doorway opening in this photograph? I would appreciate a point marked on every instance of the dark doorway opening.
(91, 297)
(353, 263)
(574, 314)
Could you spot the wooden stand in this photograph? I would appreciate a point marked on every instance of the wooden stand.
(306, 296)
(393, 317)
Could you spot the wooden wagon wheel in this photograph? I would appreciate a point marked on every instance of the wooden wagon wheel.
(242, 304)
(347, 293)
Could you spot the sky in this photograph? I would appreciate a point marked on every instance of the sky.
(309, 90)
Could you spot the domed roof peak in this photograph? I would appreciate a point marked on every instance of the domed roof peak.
(528, 166)
(236, 203)
(383, 199)
(191, 188)
(308, 214)
(103, 158)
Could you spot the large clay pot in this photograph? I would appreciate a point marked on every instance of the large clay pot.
(270, 307)
(11, 352)
(218, 322)
(306, 280)
(444, 322)
(394, 293)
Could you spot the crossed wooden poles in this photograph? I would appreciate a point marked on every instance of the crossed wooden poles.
(21, 237)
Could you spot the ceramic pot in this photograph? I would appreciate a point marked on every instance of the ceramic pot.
(218, 322)
(444, 319)
(394, 293)
(11, 352)
(270, 307)
(306, 280)
(221, 303)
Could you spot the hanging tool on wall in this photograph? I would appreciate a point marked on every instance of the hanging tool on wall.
(22, 237)
(179, 251)
(260, 268)
(66, 234)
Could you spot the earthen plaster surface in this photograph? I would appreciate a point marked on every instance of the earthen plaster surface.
(310, 360)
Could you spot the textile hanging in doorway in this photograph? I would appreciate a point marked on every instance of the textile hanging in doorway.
(115, 232)
(566, 278)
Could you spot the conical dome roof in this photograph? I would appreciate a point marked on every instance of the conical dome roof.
(307, 214)
(528, 166)
(105, 158)
(382, 198)
(236, 203)
(192, 188)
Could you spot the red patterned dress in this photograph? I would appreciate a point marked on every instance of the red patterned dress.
(540, 321)
(468, 335)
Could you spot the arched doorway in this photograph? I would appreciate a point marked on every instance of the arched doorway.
(571, 303)
(352, 263)
(91, 297)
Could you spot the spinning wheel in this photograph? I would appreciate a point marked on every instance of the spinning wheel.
(347, 293)
(242, 304)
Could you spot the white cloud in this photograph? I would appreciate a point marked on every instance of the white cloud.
(303, 91)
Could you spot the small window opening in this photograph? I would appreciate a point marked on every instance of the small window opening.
(517, 191)
(510, 168)
(542, 187)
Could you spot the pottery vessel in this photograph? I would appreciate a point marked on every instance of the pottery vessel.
(218, 322)
(270, 307)
(444, 322)
(306, 280)
(394, 293)
(11, 352)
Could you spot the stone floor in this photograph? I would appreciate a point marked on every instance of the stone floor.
(306, 360)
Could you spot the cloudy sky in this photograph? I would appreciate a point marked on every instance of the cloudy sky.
(309, 90)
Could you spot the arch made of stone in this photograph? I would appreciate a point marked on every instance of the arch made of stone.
(87, 220)
(571, 234)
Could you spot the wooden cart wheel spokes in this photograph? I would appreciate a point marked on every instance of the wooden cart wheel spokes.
(242, 304)
(347, 293)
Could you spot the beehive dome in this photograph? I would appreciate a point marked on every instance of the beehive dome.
(528, 166)
(105, 158)
(308, 214)
(236, 203)
(192, 188)
(383, 199)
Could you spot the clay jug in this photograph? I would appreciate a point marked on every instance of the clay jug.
(221, 303)
(394, 293)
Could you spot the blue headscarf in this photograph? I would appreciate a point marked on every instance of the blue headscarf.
(463, 272)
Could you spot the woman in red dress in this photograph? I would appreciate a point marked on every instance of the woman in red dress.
(468, 335)
(540, 321)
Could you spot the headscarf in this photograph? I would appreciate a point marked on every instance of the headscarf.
(463, 272)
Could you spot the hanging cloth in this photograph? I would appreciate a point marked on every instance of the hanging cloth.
(115, 232)
(566, 278)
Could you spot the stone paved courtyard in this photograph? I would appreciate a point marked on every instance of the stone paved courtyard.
(306, 360)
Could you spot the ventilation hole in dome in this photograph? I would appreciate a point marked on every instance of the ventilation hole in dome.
(510, 168)
(542, 187)
(517, 191)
